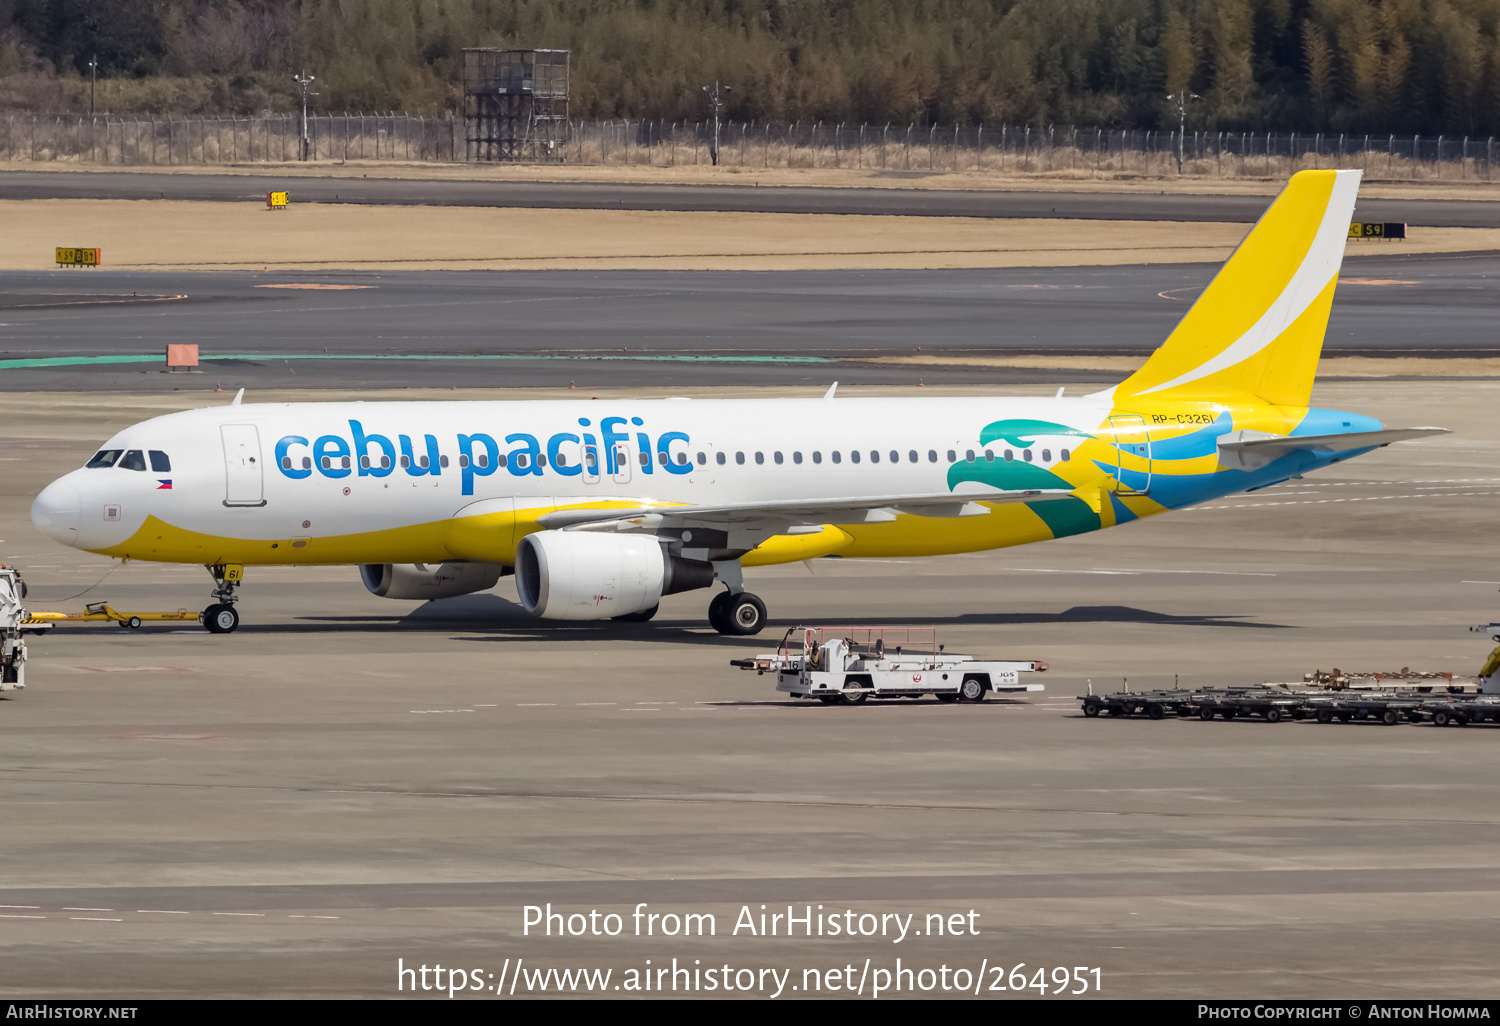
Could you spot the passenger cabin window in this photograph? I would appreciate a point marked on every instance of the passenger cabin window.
(913, 455)
(645, 459)
(682, 459)
(739, 458)
(720, 458)
(702, 459)
(989, 455)
(1009, 456)
(1026, 455)
(969, 455)
(159, 462)
(463, 461)
(874, 456)
(896, 457)
(105, 458)
(1064, 455)
(405, 461)
(836, 457)
(796, 457)
(817, 457)
(854, 456)
(307, 463)
(777, 457)
(521, 461)
(661, 457)
(1046, 455)
(133, 459)
(760, 457)
(931, 455)
(422, 462)
(953, 456)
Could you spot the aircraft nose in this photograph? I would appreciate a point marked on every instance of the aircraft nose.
(55, 511)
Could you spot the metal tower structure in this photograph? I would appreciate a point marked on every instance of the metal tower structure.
(515, 104)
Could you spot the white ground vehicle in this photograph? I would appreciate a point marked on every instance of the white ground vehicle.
(851, 664)
(13, 628)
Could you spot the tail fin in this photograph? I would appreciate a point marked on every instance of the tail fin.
(1258, 327)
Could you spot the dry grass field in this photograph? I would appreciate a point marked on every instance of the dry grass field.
(169, 235)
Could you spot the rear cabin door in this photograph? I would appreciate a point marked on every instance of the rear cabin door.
(242, 465)
(1132, 452)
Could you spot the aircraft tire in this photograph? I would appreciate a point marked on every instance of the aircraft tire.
(744, 614)
(716, 612)
(220, 619)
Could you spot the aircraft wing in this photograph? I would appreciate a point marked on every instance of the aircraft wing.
(1250, 450)
(802, 511)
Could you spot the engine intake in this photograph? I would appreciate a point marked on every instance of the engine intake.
(581, 575)
(425, 581)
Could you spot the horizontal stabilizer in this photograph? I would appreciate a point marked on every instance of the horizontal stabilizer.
(1251, 450)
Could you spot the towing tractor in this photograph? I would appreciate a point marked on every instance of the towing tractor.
(847, 665)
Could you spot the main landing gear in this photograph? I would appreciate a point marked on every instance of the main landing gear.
(735, 611)
(221, 618)
(739, 614)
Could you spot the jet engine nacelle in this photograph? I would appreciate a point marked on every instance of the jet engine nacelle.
(582, 575)
(425, 581)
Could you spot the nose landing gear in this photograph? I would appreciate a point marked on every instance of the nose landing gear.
(221, 617)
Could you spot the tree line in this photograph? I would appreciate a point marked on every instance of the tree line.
(1355, 66)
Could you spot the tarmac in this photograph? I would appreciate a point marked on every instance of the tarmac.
(348, 785)
(747, 198)
(104, 330)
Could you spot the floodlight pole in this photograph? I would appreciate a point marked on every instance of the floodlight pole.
(304, 80)
(715, 97)
(93, 81)
(1181, 99)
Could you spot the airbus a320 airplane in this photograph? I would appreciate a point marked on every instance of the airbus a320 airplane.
(600, 508)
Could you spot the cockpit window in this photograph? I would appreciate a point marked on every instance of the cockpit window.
(133, 459)
(159, 462)
(105, 458)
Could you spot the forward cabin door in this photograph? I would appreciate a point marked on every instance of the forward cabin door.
(1132, 448)
(244, 485)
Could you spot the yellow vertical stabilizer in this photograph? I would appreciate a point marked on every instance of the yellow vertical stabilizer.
(1258, 328)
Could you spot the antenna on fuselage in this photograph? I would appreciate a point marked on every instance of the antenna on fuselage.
(237, 397)
(831, 389)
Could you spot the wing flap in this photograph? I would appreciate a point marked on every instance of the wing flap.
(798, 511)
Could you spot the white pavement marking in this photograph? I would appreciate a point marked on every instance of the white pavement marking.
(532, 705)
(162, 912)
(21, 917)
(596, 703)
(69, 908)
(20, 906)
(94, 919)
(262, 914)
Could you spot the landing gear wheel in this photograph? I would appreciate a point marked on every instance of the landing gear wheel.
(742, 614)
(220, 619)
(639, 616)
(716, 612)
(972, 690)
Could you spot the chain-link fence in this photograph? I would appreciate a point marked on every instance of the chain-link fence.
(1003, 149)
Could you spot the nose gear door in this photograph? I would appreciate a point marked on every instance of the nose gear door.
(244, 485)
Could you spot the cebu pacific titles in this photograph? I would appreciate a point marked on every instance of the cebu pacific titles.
(601, 507)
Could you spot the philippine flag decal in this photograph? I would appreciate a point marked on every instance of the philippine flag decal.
(164, 484)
